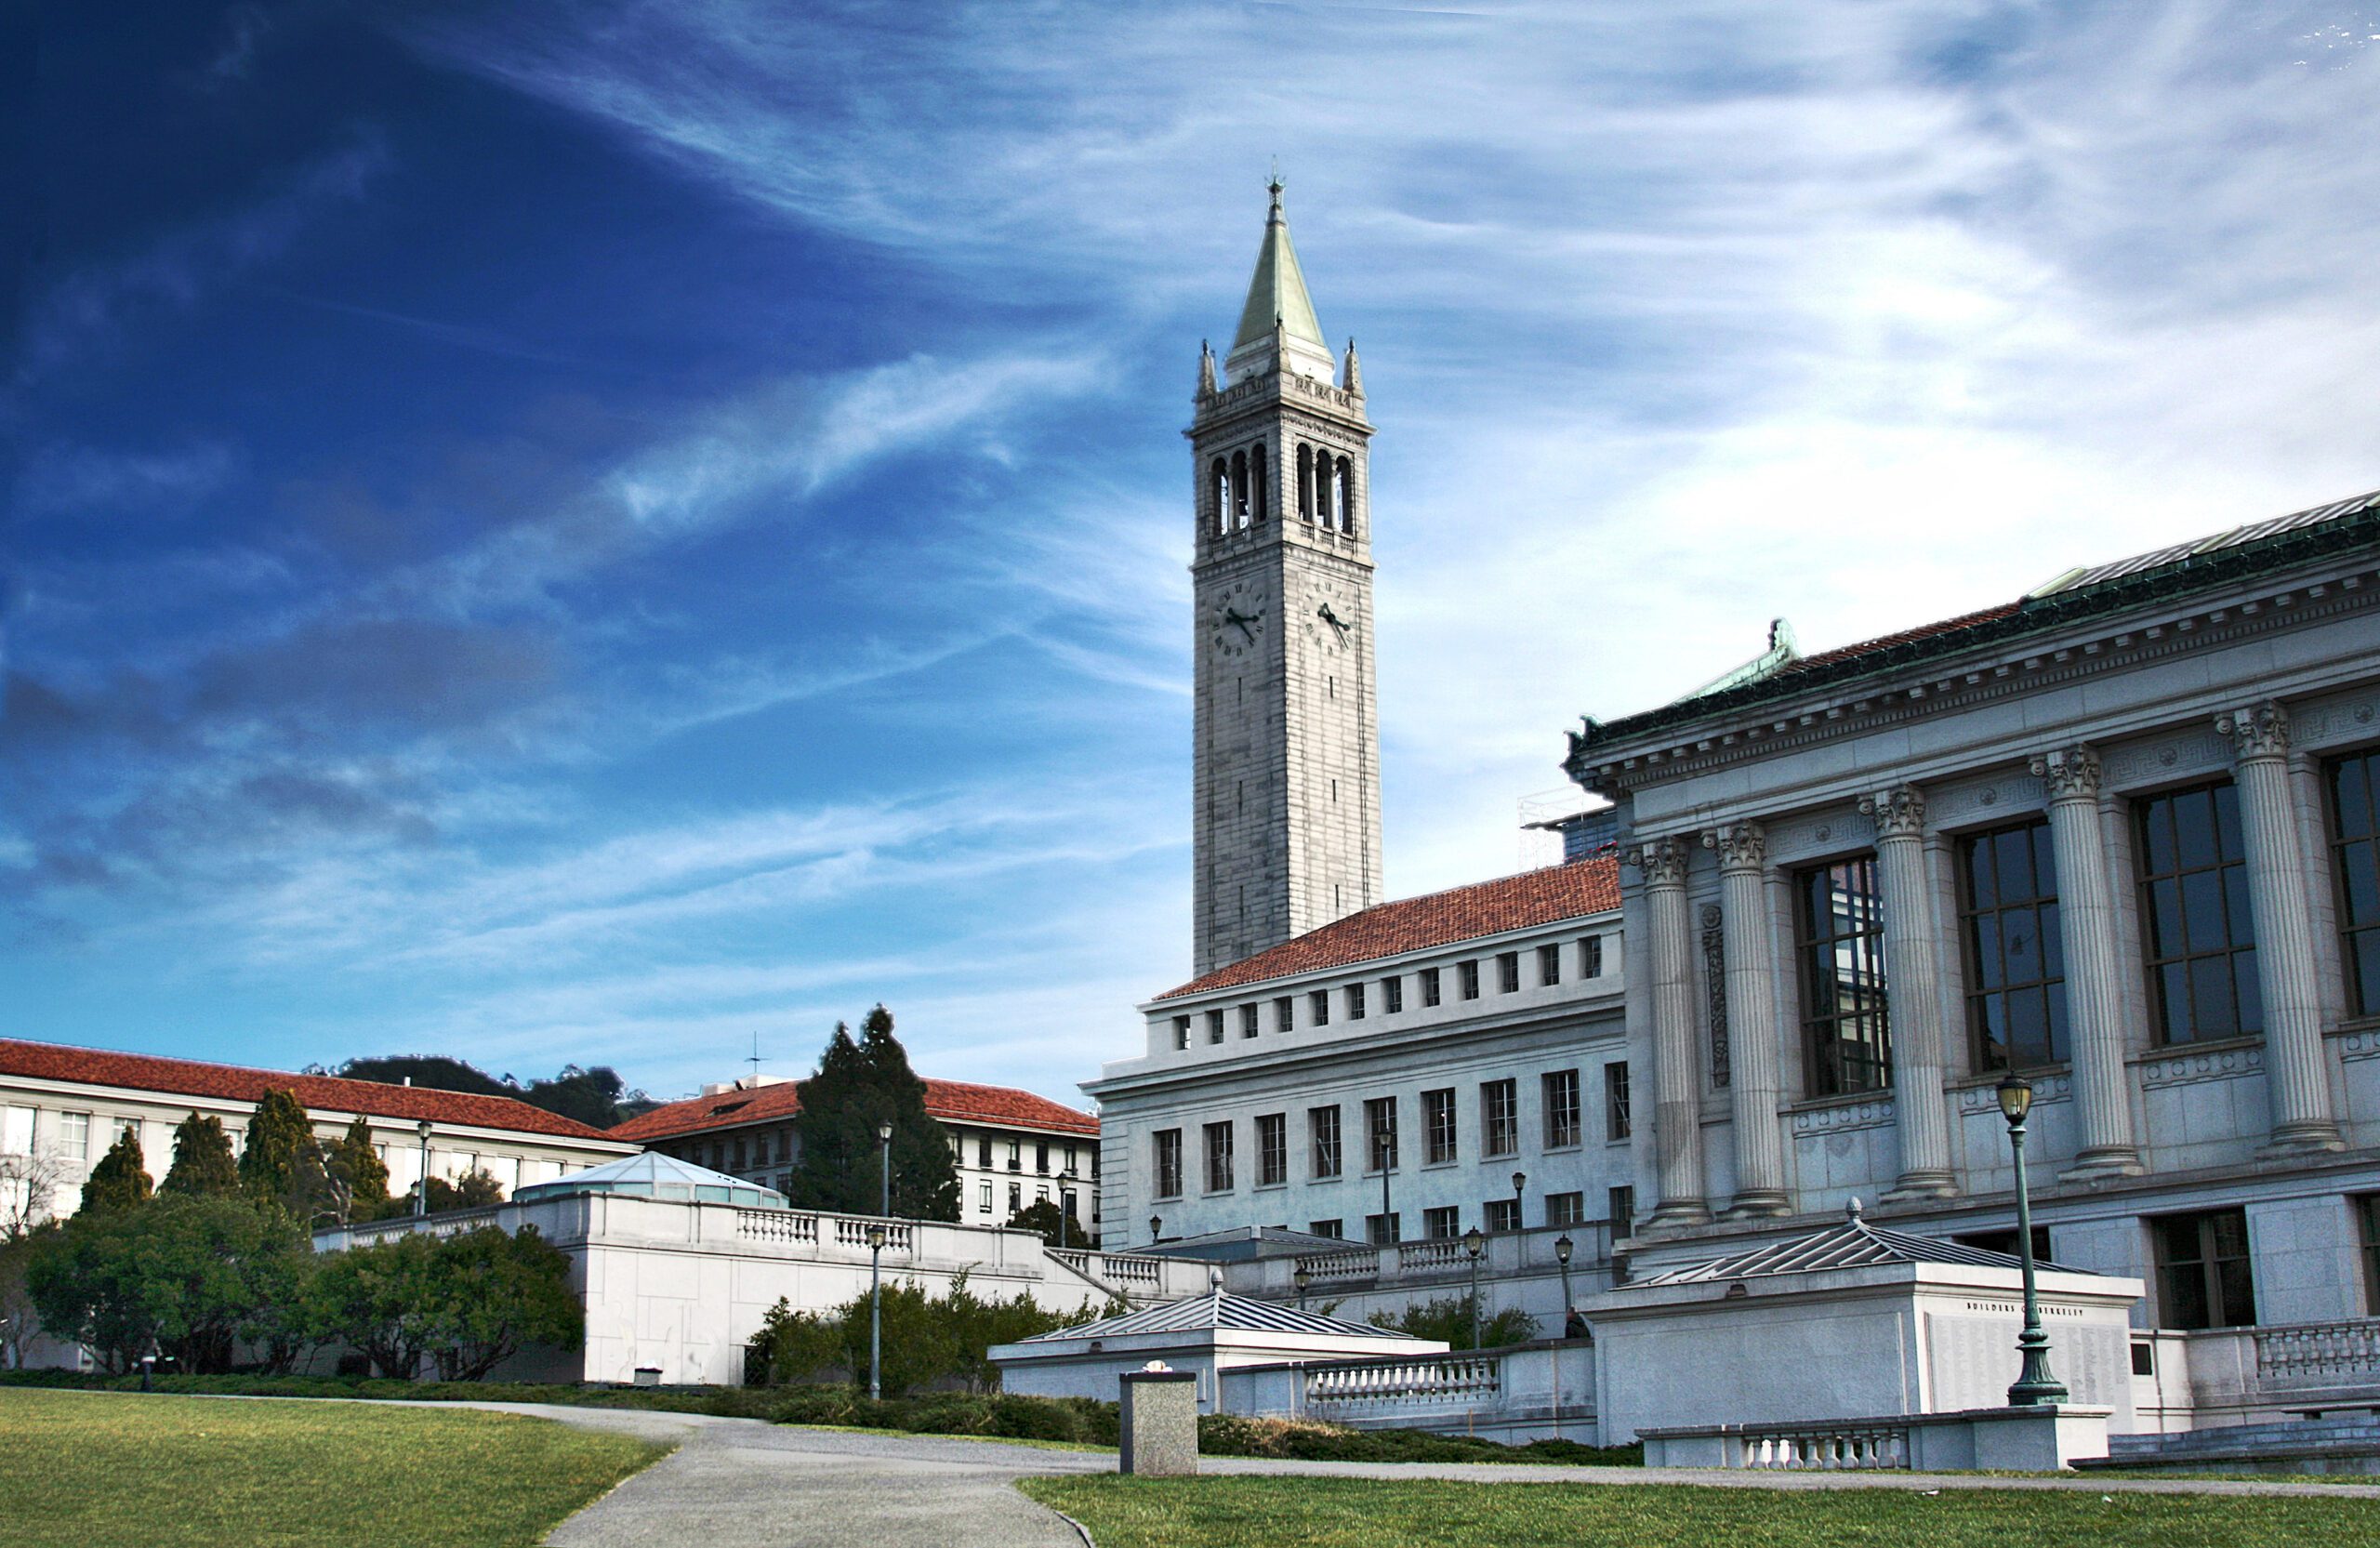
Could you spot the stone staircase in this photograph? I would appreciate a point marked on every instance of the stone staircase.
(2348, 1442)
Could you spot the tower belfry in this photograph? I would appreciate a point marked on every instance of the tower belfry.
(1286, 822)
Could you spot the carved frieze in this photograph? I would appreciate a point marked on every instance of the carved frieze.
(2258, 731)
(1898, 812)
(2046, 1089)
(2335, 722)
(2070, 773)
(1740, 846)
(1661, 860)
(2168, 758)
(2183, 1066)
(2003, 797)
(1835, 1118)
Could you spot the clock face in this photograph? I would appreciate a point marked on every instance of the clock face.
(1329, 610)
(1237, 619)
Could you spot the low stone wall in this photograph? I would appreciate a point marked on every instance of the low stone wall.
(2042, 1440)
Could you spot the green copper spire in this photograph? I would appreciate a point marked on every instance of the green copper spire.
(1279, 290)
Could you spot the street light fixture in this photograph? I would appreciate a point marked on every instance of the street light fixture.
(1562, 1248)
(1301, 1278)
(1520, 1181)
(1066, 1203)
(422, 1188)
(2034, 1385)
(1157, 1229)
(875, 1268)
(1475, 1244)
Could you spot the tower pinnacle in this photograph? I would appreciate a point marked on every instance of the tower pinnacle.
(1277, 303)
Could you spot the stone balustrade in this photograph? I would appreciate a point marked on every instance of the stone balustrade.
(1128, 1270)
(2318, 1353)
(1431, 1382)
(1826, 1447)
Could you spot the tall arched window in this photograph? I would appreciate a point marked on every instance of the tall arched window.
(1343, 487)
(1258, 495)
(1322, 488)
(1238, 491)
(1305, 482)
(1219, 480)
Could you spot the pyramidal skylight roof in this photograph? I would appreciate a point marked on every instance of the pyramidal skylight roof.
(650, 1175)
(1218, 1312)
(1853, 1244)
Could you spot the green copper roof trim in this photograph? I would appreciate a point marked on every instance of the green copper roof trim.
(2197, 569)
(1278, 288)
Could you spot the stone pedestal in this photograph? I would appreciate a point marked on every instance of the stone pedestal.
(1158, 1435)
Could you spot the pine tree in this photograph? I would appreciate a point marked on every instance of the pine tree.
(359, 1178)
(121, 1180)
(281, 1161)
(858, 1085)
(203, 1164)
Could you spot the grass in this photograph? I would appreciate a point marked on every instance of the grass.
(80, 1468)
(1363, 1513)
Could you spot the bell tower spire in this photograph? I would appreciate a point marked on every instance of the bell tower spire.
(1286, 822)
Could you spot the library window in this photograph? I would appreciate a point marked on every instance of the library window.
(1331, 1230)
(1469, 973)
(1565, 1209)
(1319, 1007)
(1501, 1214)
(2197, 932)
(1284, 1014)
(2016, 962)
(1382, 1229)
(1214, 1027)
(1437, 1122)
(1354, 1002)
(1322, 1128)
(1615, 1123)
(1218, 1151)
(2367, 1224)
(1508, 971)
(1168, 1165)
(1549, 964)
(1621, 1205)
(2204, 1280)
(1391, 995)
(1500, 1117)
(1429, 986)
(1380, 1133)
(1561, 1108)
(1247, 1021)
(1842, 951)
(1181, 1032)
(2355, 850)
(1590, 957)
(1272, 1149)
(1443, 1224)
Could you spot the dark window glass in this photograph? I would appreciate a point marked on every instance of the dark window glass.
(1181, 1036)
(1565, 1208)
(1391, 995)
(1318, 1009)
(1356, 1003)
(983, 1149)
(1272, 1149)
(1616, 1122)
(1429, 986)
(2202, 1274)
(1844, 1020)
(1561, 1095)
(1334, 1229)
(1500, 1116)
(2016, 964)
(1590, 957)
(1440, 1224)
(1508, 971)
(1284, 1014)
(2199, 942)
(1382, 1229)
(1437, 1123)
(1380, 1131)
(1621, 1205)
(1469, 972)
(2355, 849)
(1168, 1167)
(1501, 1214)
(1322, 1125)
(1549, 964)
(1217, 1136)
(1247, 1021)
(1214, 1027)
(2367, 1219)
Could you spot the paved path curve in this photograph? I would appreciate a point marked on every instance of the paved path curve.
(742, 1483)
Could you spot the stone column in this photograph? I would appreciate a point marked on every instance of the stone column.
(1749, 944)
(1913, 993)
(2093, 990)
(2278, 892)
(1677, 1084)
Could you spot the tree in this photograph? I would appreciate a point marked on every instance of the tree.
(202, 1165)
(29, 1186)
(121, 1180)
(375, 1298)
(274, 1168)
(491, 1292)
(476, 1189)
(1448, 1319)
(596, 1096)
(798, 1346)
(198, 1277)
(1055, 1227)
(858, 1085)
(20, 1317)
(359, 1178)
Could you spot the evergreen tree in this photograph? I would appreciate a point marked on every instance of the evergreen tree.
(858, 1085)
(202, 1165)
(282, 1164)
(121, 1180)
(359, 1178)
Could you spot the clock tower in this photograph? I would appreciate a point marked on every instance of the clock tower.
(1286, 822)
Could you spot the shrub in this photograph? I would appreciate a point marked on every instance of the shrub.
(1447, 1319)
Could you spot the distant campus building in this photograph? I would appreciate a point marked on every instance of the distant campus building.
(68, 1105)
(1013, 1149)
(2122, 833)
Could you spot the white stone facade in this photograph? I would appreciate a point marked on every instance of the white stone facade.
(2243, 673)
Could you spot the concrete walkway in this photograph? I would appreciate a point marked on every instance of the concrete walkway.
(742, 1483)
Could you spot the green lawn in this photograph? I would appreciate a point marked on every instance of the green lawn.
(1362, 1513)
(82, 1469)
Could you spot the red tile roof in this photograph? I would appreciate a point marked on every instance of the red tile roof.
(143, 1072)
(1906, 637)
(1589, 886)
(950, 1101)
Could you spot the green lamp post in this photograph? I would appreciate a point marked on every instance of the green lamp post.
(2034, 1385)
(1474, 1243)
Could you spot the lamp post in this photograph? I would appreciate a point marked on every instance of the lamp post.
(1520, 1216)
(1066, 1203)
(1474, 1243)
(422, 1188)
(2034, 1385)
(1157, 1229)
(876, 1269)
(1562, 1247)
(1301, 1278)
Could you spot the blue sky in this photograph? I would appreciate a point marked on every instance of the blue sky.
(606, 531)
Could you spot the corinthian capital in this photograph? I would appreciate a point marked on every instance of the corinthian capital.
(2071, 773)
(1661, 860)
(2258, 731)
(1740, 846)
(1899, 812)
